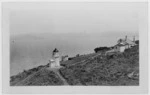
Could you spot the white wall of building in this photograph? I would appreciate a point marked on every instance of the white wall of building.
(122, 48)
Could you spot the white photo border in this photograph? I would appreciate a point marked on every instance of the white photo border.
(142, 88)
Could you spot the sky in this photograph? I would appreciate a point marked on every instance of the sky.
(74, 17)
(74, 28)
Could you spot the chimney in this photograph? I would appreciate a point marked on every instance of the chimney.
(126, 38)
(133, 38)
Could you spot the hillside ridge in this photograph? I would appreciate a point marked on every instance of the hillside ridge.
(93, 69)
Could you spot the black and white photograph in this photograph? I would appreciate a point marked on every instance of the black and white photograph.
(76, 44)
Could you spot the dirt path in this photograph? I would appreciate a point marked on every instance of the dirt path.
(61, 77)
(84, 61)
(56, 71)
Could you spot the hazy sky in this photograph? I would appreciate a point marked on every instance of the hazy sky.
(74, 28)
(29, 18)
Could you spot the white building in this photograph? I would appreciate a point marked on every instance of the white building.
(65, 58)
(55, 60)
(124, 44)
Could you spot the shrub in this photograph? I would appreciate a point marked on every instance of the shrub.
(101, 49)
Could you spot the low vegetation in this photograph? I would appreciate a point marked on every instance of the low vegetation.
(36, 77)
(105, 70)
(100, 49)
(91, 69)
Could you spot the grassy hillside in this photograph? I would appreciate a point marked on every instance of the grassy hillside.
(105, 70)
(36, 77)
(92, 69)
(77, 59)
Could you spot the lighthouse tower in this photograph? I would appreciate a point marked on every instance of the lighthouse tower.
(55, 61)
(56, 57)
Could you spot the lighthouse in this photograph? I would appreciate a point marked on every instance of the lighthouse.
(55, 60)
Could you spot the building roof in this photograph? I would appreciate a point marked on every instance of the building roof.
(55, 50)
(125, 42)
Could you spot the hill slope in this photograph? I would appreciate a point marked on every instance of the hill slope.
(40, 77)
(116, 69)
(91, 69)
